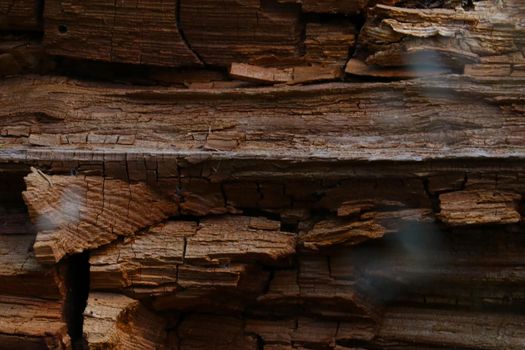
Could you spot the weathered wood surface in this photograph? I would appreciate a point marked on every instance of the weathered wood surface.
(74, 213)
(115, 321)
(181, 255)
(381, 210)
(368, 121)
(131, 32)
(32, 323)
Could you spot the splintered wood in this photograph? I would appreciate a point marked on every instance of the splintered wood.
(262, 174)
(115, 321)
(475, 207)
(74, 213)
(182, 256)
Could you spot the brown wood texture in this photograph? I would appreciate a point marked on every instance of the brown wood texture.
(262, 174)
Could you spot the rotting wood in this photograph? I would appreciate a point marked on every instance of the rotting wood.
(74, 213)
(381, 209)
(115, 321)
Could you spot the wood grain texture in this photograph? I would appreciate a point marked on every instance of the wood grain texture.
(185, 260)
(115, 321)
(423, 39)
(77, 213)
(32, 323)
(241, 30)
(22, 275)
(139, 32)
(366, 121)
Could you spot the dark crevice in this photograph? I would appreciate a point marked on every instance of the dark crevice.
(77, 284)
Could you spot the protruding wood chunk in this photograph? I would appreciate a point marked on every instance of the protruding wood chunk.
(478, 207)
(238, 238)
(20, 14)
(293, 75)
(140, 32)
(114, 321)
(190, 260)
(336, 232)
(32, 323)
(74, 213)
(262, 30)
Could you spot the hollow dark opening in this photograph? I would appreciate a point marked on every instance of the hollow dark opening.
(77, 282)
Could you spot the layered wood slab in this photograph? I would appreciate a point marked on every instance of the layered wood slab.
(140, 32)
(76, 213)
(366, 121)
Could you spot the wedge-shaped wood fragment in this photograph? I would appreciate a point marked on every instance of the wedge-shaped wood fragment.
(74, 213)
(20, 14)
(478, 207)
(293, 75)
(336, 232)
(32, 323)
(263, 30)
(140, 32)
(181, 257)
(453, 329)
(113, 321)
(21, 274)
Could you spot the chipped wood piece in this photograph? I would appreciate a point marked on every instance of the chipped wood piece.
(159, 250)
(181, 257)
(74, 213)
(32, 323)
(137, 32)
(114, 321)
(264, 30)
(453, 328)
(337, 232)
(238, 238)
(294, 75)
(478, 207)
(22, 275)
(20, 15)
